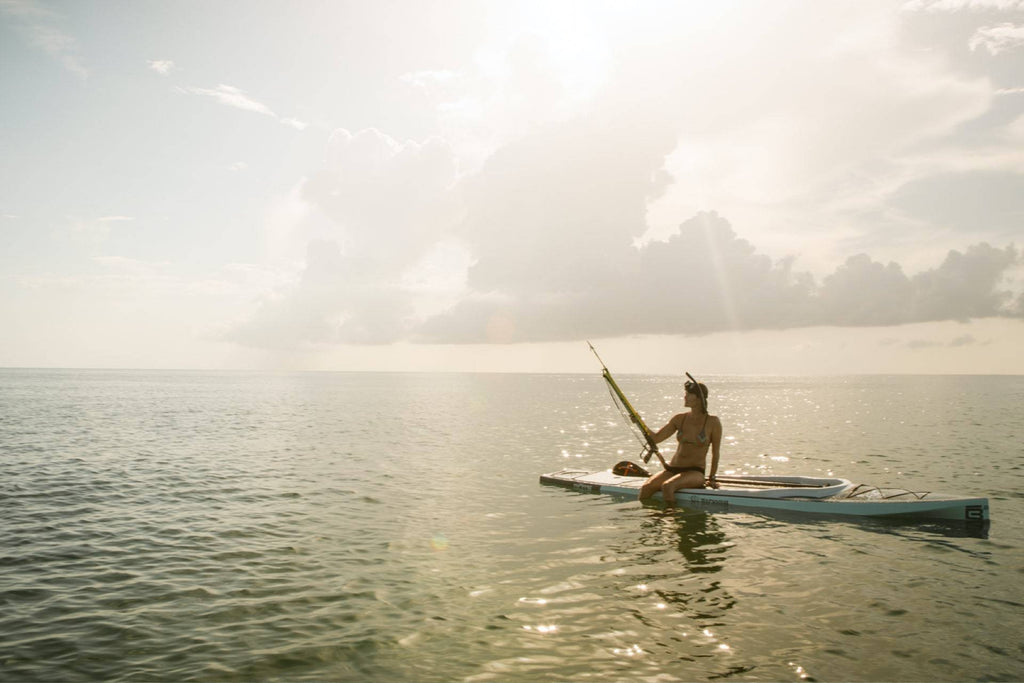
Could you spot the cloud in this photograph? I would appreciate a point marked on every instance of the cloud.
(135, 269)
(230, 96)
(308, 313)
(521, 81)
(628, 291)
(962, 5)
(864, 292)
(965, 201)
(95, 231)
(391, 204)
(441, 84)
(843, 132)
(963, 340)
(545, 212)
(997, 39)
(966, 285)
(806, 126)
(337, 300)
(41, 26)
(390, 201)
(705, 279)
(295, 123)
(161, 66)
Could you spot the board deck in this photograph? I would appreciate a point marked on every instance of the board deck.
(813, 495)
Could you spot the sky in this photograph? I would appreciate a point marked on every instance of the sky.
(760, 187)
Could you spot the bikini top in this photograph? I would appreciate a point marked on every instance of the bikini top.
(702, 438)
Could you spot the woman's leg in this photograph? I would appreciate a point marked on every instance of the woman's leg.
(653, 485)
(686, 480)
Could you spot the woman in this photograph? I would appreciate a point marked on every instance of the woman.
(695, 431)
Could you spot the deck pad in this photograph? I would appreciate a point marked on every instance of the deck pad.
(813, 495)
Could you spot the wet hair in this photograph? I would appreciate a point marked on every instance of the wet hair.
(691, 387)
(698, 389)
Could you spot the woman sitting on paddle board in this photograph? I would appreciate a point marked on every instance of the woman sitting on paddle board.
(695, 431)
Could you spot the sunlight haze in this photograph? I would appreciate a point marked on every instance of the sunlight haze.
(796, 187)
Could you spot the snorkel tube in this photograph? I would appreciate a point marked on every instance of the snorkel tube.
(699, 392)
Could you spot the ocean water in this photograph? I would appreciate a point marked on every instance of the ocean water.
(198, 526)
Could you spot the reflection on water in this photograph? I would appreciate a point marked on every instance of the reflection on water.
(228, 526)
(701, 541)
(910, 528)
(684, 603)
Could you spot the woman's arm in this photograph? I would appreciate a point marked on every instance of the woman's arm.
(716, 446)
(666, 431)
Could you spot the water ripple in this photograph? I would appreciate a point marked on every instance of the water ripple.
(225, 526)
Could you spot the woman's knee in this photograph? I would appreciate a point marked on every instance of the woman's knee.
(670, 487)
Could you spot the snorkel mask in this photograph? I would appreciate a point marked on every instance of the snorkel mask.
(695, 387)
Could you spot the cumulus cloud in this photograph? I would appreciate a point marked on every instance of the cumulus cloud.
(391, 204)
(962, 5)
(965, 201)
(525, 81)
(706, 279)
(966, 285)
(308, 313)
(802, 124)
(554, 221)
(999, 38)
(391, 201)
(338, 299)
(703, 279)
(546, 211)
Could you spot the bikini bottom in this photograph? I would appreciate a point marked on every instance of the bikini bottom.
(680, 470)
